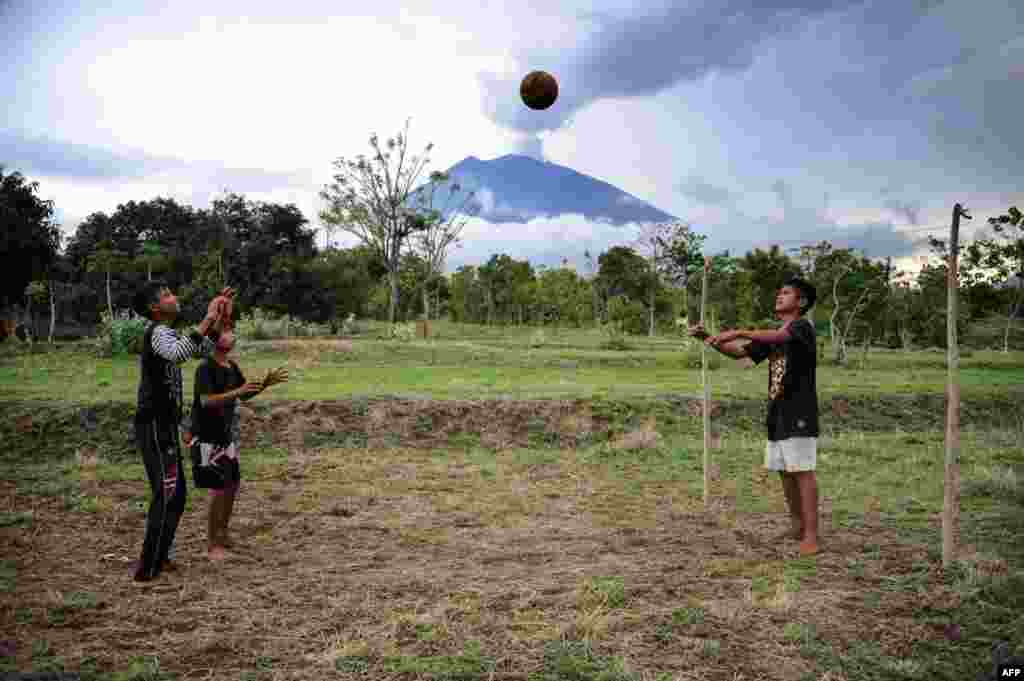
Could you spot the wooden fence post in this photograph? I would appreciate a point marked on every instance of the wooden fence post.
(951, 496)
(704, 381)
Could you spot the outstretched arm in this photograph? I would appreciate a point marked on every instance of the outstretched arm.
(767, 336)
(179, 349)
(726, 346)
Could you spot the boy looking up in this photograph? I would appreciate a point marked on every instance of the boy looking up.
(159, 414)
(792, 419)
(219, 384)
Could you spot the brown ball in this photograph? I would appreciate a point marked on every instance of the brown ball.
(539, 90)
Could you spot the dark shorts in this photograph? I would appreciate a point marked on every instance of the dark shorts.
(215, 467)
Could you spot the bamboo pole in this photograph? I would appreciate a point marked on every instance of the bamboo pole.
(951, 483)
(706, 412)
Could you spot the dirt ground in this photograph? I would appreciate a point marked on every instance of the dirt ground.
(349, 559)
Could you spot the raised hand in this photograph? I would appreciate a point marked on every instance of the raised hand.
(275, 376)
(250, 388)
(216, 307)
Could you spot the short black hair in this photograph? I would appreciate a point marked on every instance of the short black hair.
(808, 294)
(146, 296)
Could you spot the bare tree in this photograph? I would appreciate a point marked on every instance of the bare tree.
(442, 227)
(369, 199)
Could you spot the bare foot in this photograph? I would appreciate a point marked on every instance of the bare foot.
(808, 547)
(170, 566)
(216, 553)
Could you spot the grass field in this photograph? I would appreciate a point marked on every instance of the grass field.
(492, 504)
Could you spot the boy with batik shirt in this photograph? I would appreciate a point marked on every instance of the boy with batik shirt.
(219, 384)
(159, 415)
(792, 419)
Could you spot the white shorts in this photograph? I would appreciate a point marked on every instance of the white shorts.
(792, 455)
(212, 454)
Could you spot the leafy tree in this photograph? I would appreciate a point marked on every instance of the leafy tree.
(563, 296)
(853, 284)
(622, 271)
(767, 270)
(152, 258)
(595, 286)
(29, 238)
(466, 295)
(369, 199)
(105, 259)
(682, 255)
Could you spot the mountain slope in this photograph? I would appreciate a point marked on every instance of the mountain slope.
(517, 189)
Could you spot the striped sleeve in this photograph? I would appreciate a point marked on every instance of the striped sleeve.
(172, 347)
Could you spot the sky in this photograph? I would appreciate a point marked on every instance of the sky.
(758, 122)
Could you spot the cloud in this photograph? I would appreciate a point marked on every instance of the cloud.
(911, 210)
(40, 156)
(640, 53)
(542, 241)
(782, 190)
(62, 159)
(705, 193)
(529, 145)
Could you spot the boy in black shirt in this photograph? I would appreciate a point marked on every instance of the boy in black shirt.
(219, 384)
(793, 401)
(159, 415)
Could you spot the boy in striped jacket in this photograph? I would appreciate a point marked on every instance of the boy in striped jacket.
(159, 414)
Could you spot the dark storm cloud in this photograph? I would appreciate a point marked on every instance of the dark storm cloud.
(647, 52)
(36, 156)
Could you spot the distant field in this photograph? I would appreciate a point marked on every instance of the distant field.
(503, 363)
(474, 507)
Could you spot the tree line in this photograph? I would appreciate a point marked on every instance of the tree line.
(405, 225)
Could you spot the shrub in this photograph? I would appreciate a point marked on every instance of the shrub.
(349, 327)
(119, 336)
(690, 358)
(630, 315)
(615, 338)
(254, 326)
(403, 332)
(262, 324)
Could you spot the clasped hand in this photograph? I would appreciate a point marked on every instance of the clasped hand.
(700, 333)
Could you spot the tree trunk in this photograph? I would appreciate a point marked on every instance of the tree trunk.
(110, 302)
(832, 334)
(426, 301)
(53, 311)
(905, 336)
(654, 287)
(393, 303)
(149, 270)
(1014, 306)
(867, 348)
